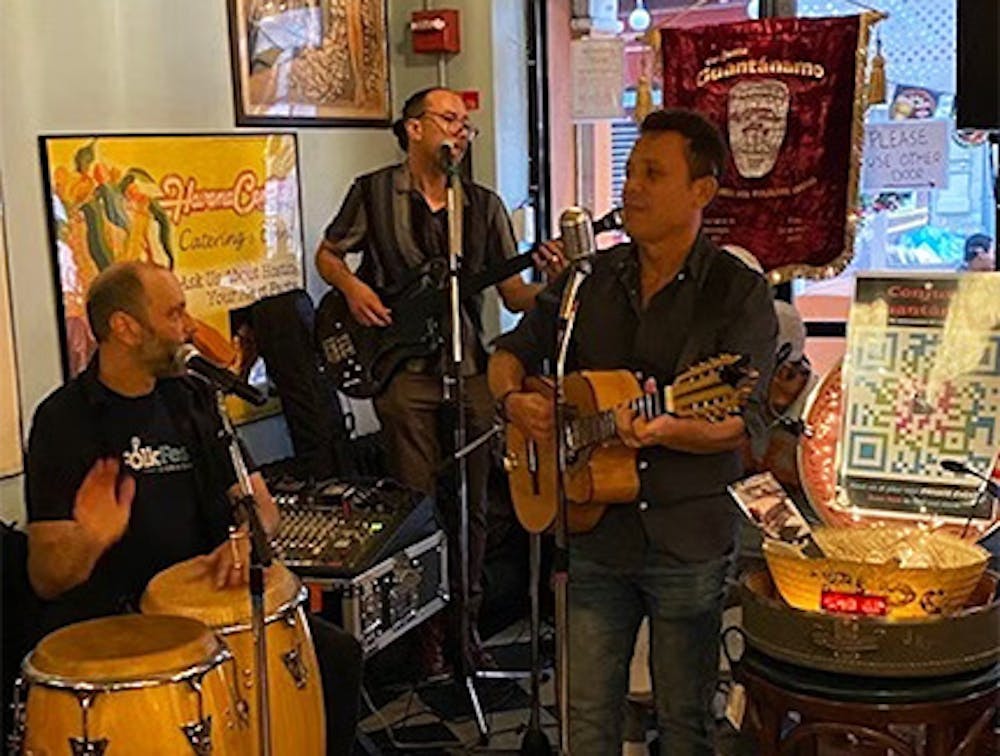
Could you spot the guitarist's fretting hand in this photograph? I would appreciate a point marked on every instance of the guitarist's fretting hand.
(366, 307)
(532, 413)
(635, 431)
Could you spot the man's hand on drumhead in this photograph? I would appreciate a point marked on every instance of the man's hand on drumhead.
(229, 564)
(103, 502)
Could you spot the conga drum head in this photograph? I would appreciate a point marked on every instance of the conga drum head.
(188, 588)
(117, 649)
(295, 694)
(154, 685)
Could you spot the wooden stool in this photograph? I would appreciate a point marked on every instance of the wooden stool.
(958, 710)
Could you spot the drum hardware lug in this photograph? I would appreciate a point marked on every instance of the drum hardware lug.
(199, 735)
(295, 667)
(510, 462)
(15, 741)
(84, 746)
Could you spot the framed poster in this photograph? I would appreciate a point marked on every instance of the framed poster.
(11, 459)
(310, 62)
(921, 385)
(221, 211)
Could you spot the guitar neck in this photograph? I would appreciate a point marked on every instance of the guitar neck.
(473, 284)
(600, 427)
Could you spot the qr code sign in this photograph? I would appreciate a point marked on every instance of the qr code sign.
(903, 416)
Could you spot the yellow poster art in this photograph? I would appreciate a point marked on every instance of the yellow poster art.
(10, 410)
(221, 211)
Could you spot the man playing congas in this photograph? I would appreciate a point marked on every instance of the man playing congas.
(127, 475)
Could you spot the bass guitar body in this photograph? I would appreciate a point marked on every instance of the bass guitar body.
(596, 476)
(361, 360)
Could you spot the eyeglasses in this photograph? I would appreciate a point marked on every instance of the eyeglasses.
(453, 123)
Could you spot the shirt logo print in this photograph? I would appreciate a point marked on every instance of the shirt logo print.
(161, 459)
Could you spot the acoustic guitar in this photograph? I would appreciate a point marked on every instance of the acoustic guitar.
(362, 359)
(600, 469)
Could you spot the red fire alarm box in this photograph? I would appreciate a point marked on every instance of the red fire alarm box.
(435, 31)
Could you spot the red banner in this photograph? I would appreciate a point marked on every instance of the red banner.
(786, 94)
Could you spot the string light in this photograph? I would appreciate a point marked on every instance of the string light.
(639, 19)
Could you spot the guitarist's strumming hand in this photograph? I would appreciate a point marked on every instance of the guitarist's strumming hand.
(532, 413)
(365, 304)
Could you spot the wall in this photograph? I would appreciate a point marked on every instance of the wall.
(154, 66)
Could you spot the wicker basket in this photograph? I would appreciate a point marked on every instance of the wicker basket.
(903, 571)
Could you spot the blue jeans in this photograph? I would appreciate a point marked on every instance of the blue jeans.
(606, 606)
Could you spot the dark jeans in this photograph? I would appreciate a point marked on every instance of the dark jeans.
(418, 431)
(606, 606)
(340, 662)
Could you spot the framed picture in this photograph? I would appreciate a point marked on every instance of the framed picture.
(222, 211)
(10, 404)
(310, 62)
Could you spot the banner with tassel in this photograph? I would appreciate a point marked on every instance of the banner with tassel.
(789, 95)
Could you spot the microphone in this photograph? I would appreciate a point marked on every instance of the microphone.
(191, 359)
(576, 227)
(447, 156)
(953, 465)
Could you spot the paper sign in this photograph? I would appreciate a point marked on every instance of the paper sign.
(910, 154)
(597, 70)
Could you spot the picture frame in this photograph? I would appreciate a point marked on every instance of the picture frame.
(222, 211)
(310, 62)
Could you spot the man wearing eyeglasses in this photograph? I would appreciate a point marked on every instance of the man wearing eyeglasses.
(396, 218)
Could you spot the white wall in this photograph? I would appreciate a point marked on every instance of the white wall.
(163, 65)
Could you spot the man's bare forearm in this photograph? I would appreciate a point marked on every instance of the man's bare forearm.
(505, 373)
(331, 266)
(61, 556)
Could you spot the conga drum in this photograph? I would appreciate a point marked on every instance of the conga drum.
(295, 691)
(129, 685)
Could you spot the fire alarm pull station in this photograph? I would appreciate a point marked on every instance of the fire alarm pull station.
(435, 31)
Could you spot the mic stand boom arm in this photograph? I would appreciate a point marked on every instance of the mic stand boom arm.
(260, 558)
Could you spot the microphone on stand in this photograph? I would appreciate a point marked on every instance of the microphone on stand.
(576, 227)
(446, 155)
(192, 361)
(953, 465)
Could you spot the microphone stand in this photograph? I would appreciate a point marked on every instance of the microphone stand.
(453, 389)
(567, 318)
(261, 556)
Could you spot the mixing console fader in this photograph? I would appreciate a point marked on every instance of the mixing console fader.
(340, 528)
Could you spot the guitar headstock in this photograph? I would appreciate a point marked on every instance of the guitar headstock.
(712, 389)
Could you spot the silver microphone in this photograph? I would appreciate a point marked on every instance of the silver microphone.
(446, 155)
(576, 227)
(189, 358)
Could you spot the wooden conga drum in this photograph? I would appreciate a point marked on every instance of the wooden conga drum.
(129, 685)
(295, 691)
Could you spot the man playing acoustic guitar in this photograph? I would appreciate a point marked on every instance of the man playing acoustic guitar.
(665, 301)
(397, 218)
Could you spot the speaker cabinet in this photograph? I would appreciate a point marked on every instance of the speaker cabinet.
(978, 100)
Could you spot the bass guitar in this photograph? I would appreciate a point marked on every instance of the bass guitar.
(362, 359)
(600, 469)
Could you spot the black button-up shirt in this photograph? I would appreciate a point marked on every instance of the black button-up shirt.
(714, 304)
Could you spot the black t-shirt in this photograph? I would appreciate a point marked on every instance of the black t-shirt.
(172, 519)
